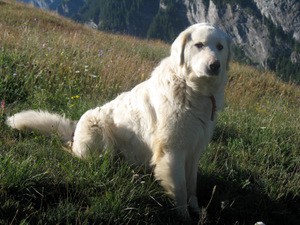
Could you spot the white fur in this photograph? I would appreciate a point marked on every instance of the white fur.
(45, 122)
(164, 122)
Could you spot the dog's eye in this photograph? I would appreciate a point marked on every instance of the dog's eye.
(199, 45)
(220, 47)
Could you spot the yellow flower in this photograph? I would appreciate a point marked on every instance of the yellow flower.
(75, 97)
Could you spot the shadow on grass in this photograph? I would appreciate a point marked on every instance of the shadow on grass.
(227, 202)
(224, 201)
(67, 204)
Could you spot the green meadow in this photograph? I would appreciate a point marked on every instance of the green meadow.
(250, 171)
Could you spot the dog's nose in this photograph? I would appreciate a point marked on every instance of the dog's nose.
(214, 67)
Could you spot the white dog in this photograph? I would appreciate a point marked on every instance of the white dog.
(165, 122)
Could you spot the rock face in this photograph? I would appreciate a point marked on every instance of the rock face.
(285, 14)
(69, 8)
(44, 4)
(256, 26)
(266, 33)
(247, 30)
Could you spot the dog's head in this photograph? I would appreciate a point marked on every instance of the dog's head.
(203, 49)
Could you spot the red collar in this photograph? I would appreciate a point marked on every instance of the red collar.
(213, 107)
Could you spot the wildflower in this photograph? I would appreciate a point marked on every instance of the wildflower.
(3, 104)
(75, 97)
(135, 177)
(100, 53)
(2, 111)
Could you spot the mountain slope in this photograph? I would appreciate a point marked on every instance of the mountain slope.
(266, 33)
(249, 173)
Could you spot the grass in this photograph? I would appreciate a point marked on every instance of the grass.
(250, 173)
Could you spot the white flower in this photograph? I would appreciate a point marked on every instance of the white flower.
(259, 223)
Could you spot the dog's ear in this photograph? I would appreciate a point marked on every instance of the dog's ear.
(178, 46)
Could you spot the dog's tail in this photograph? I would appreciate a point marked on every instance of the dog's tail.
(44, 122)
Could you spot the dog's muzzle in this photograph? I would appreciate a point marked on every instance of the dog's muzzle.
(214, 67)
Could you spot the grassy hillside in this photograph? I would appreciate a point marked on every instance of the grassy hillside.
(251, 171)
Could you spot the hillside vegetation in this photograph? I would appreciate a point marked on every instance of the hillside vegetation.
(255, 31)
(250, 172)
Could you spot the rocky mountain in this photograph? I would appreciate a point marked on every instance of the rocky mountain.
(68, 8)
(285, 14)
(44, 4)
(266, 33)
